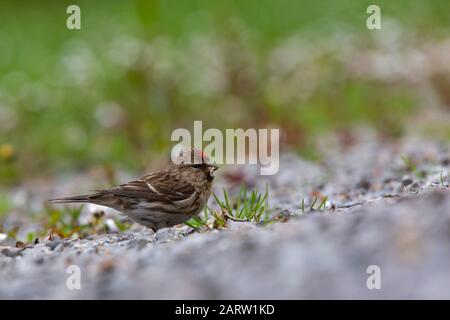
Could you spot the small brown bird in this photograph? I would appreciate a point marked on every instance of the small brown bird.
(161, 199)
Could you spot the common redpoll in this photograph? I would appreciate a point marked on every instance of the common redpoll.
(161, 199)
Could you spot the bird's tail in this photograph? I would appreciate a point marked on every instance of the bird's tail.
(77, 199)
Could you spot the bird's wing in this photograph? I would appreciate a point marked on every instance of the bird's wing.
(155, 187)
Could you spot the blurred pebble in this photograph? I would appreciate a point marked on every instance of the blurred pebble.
(11, 252)
(52, 245)
(406, 181)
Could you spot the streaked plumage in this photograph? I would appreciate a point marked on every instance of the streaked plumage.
(161, 199)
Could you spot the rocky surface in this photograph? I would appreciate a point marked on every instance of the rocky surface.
(379, 212)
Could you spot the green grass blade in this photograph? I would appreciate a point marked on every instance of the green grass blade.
(323, 203)
(314, 202)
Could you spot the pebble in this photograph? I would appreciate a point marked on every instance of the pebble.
(55, 243)
(12, 252)
(363, 184)
(415, 187)
(406, 181)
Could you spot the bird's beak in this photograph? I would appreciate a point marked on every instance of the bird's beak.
(214, 167)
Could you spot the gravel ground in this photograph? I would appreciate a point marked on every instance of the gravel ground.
(377, 213)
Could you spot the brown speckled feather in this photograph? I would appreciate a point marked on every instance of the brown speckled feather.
(157, 200)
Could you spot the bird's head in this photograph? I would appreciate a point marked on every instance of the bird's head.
(196, 163)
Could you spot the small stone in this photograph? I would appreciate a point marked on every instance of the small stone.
(165, 234)
(59, 248)
(20, 244)
(282, 216)
(406, 181)
(111, 224)
(388, 180)
(363, 184)
(55, 243)
(138, 243)
(415, 187)
(39, 260)
(12, 252)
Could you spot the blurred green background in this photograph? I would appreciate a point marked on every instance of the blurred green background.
(112, 92)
